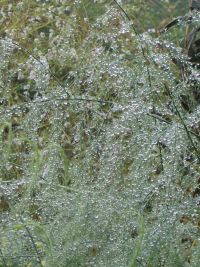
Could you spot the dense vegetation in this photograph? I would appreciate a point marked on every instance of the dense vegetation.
(100, 131)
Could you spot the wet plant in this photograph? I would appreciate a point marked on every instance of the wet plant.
(99, 127)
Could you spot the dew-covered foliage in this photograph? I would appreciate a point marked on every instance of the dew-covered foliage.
(99, 133)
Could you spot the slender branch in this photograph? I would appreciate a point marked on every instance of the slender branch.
(140, 40)
(25, 104)
(143, 53)
(19, 256)
(3, 258)
(161, 157)
(183, 123)
(168, 122)
(140, 262)
(38, 60)
(69, 98)
(74, 99)
(172, 23)
(32, 241)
